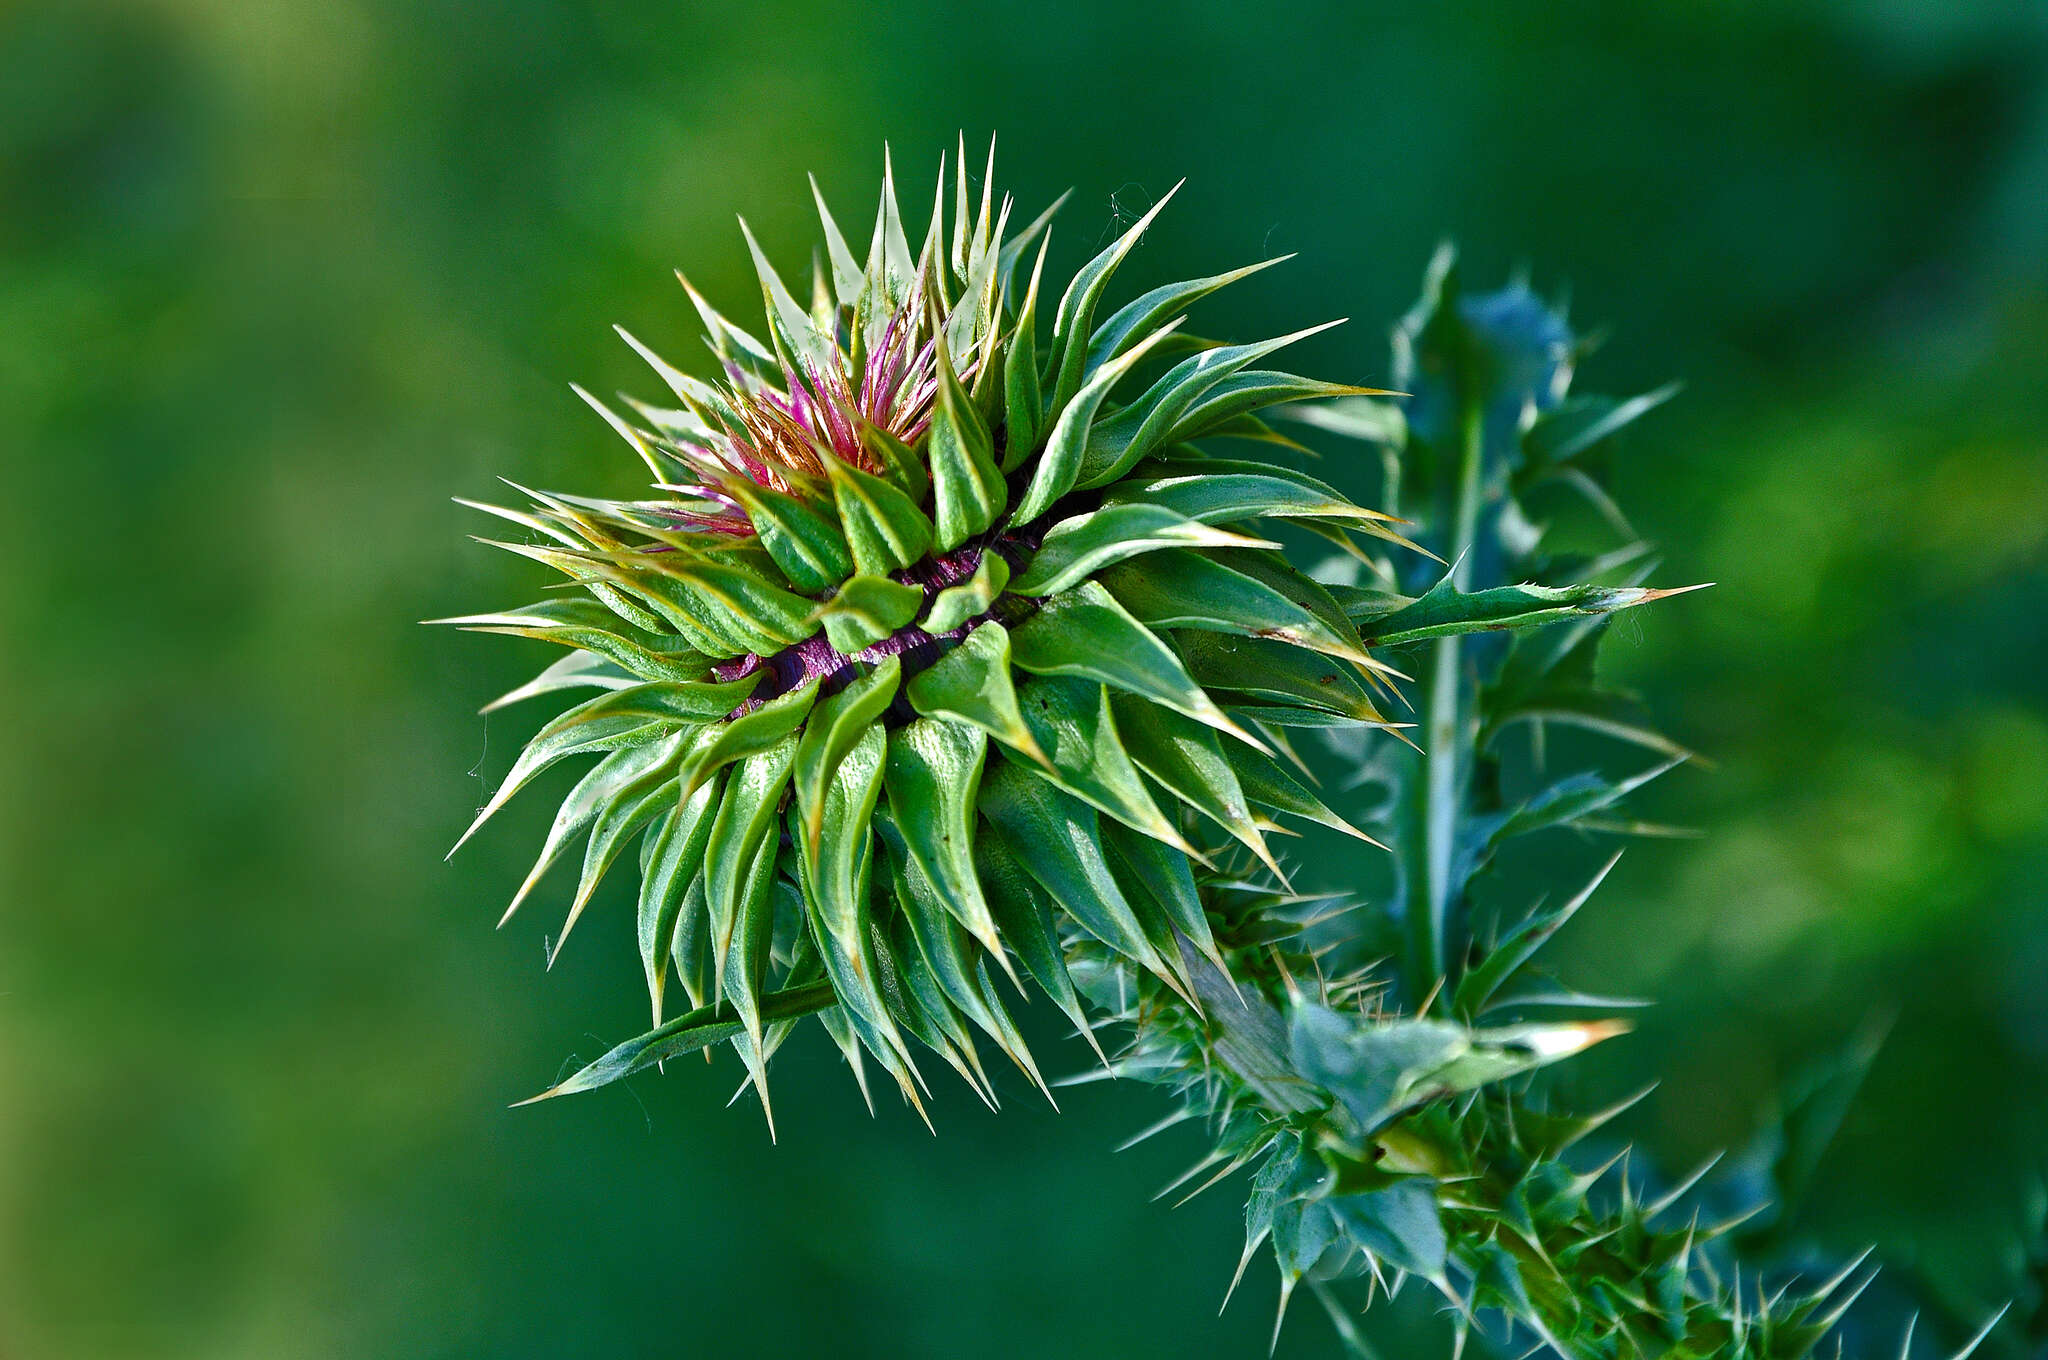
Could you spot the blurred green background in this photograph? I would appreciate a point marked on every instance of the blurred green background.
(276, 280)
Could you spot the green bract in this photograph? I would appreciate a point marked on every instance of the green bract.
(943, 631)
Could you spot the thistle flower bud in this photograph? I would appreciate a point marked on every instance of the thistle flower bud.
(935, 634)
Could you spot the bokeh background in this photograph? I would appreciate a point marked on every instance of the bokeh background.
(276, 280)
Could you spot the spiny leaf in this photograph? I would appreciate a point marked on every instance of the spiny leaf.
(576, 670)
(1518, 946)
(1027, 918)
(1059, 464)
(1084, 632)
(1282, 674)
(1023, 403)
(676, 854)
(1183, 589)
(1142, 314)
(1226, 407)
(830, 731)
(636, 804)
(846, 271)
(745, 970)
(633, 716)
(884, 528)
(1116, 444)
(933, 777)
(971, 598)
(1076, 315)
(866, 609)
(1391, 620)
(1218, 492)
(745, 818)
(751, 733)
(946, 951)
(1268, 786)
(1070, 723)
(589, 625)
(801, 536)
(972, 683)
(1057, 840)
(700, 1028)
(967, 489)
(1186, 759)
(1077, 548)
(1160, 886)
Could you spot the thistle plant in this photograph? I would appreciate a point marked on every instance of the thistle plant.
(959, 642)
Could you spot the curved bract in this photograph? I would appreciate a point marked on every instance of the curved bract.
(944, 629)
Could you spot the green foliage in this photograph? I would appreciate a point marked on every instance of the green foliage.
(881, 584)
(988, 673)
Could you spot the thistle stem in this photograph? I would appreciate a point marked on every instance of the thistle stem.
(1442, 792)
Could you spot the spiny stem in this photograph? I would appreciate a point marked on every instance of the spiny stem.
(1442, 795)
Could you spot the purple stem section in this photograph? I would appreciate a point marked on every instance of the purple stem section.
(816, 657)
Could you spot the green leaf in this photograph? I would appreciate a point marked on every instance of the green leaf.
(947, 951)
(1222, 409)
(1268, 786)
(1058, 841)
(803, 539)
(1284, 675)
(846, 272)
(751, 733)
(837, 898)
(1075, 319)
(686, 1034)
(967, 489)
(1140, 429)
(1580, 423)
(1077, 548)
(1392, 621)
(633, 716)
(1400, 1225)
(1060, 464)
(691, 953)
(788, 321)
(745, 818)
(972, 683)
(884, 528)
(1563, 802)
(927, 1012)
(588, 625)
(1141, 314)
(1086, 633)
(1515, 948)
(838, 721)
(1378, 1070)
(1218, 492)
(637, 803)
(866, 609)
(1186, 759)
(933, 776)
(717, 607)
(1023, 403)
(1025, 914)
(675, 855)
(745, 970)
(1160, 886)
(901, 466)
(590, 796)
(1070, 722)
(575, 671)
(955, 605)
(1183, 589)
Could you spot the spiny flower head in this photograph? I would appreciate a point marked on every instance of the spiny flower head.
(938, 641)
